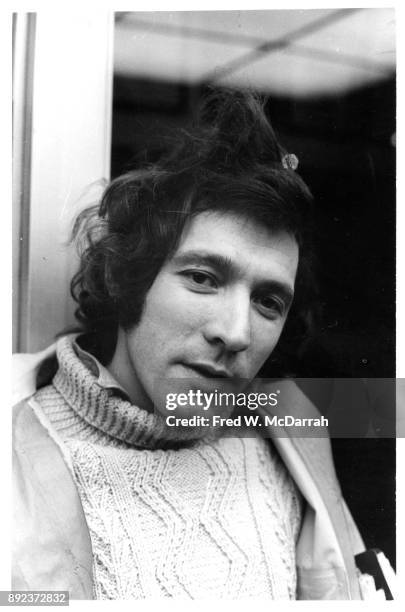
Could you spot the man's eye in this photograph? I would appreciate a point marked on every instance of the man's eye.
(270, 306)
(203, 279)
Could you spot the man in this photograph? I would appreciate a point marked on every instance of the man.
(189, 270)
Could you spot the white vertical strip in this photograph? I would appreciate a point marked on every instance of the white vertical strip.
(23, 57)
(71, 142)
(400, 344)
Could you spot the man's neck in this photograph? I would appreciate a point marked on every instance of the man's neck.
(122, 369)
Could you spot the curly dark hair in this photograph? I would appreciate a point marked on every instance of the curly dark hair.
(231, 161)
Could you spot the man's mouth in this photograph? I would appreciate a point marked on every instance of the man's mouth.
(208, 370)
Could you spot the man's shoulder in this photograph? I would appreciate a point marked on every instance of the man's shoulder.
(25, 369)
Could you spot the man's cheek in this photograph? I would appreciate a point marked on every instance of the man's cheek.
(182, 312)
(267, 348)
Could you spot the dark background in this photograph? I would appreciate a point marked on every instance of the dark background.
(346, 152)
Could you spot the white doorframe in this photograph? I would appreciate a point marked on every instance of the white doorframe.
(23, 66)
(70, 145)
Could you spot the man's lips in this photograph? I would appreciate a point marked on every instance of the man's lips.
(208, 370)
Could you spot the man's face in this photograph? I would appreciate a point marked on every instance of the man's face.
(216, 308)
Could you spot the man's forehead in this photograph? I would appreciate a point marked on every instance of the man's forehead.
(203, 227)
(237, 242)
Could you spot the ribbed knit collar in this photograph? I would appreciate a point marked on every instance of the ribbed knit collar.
(103, 409)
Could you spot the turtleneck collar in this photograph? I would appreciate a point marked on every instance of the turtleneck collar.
(110, 413)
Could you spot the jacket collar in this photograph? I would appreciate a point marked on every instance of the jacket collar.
(309, 460)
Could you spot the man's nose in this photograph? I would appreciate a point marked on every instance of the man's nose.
(230, 324)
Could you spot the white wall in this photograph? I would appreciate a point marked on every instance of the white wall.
(70, 137)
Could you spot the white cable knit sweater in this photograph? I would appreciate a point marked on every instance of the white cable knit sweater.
(210, 518)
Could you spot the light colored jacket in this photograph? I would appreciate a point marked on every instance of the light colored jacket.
(52, 547)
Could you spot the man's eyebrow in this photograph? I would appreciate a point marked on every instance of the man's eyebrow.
(227, 267)
(215, 260)
(284, 290)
